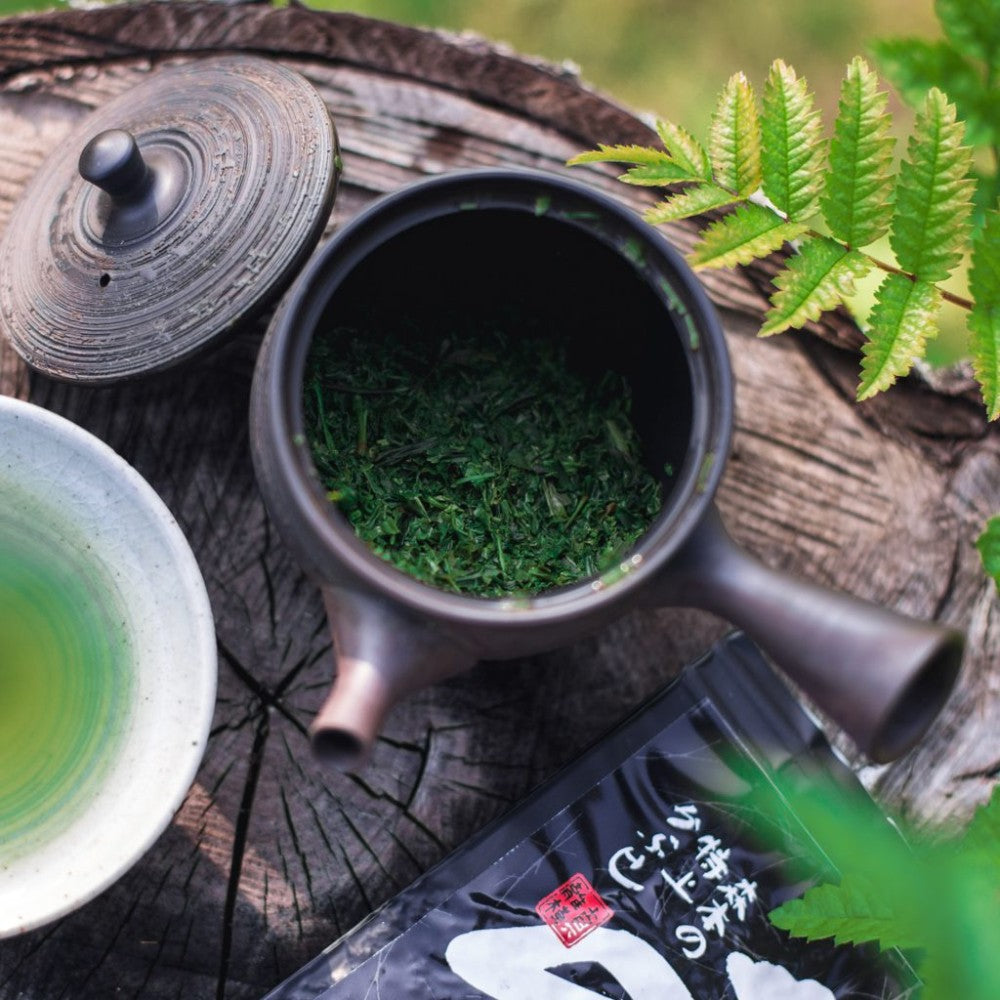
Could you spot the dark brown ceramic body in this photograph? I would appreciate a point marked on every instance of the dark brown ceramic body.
(630, 303)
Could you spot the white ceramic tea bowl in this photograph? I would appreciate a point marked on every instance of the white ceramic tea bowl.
(102, 725)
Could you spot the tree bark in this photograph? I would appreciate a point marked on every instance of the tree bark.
(272, 856)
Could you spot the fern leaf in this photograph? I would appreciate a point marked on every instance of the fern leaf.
(817, 278)
(653, 167)
(853, 912)
(973, 27)
(693, 201)
(735, 138)
(900, 323)
(791, 143)
(933, 195)
(984, 318)
(749, 232)
(658, 174)
(685, 149)
(914, 65)
(621, 154)
(982, 835)
(857, 201)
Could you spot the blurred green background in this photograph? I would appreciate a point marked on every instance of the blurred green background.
(667, 56)
(672, 57)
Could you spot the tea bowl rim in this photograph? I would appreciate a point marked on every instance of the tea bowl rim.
(72, 865)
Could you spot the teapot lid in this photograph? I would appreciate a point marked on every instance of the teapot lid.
(174, 213)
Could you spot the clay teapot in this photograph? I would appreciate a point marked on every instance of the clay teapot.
(472, 239)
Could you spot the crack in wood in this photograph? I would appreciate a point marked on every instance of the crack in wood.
(239, 847)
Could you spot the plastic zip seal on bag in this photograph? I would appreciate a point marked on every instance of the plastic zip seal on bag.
(633, 874)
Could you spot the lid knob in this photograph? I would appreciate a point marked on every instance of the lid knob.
(113, 162)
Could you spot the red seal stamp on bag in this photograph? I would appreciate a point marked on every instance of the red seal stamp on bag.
(574, 910)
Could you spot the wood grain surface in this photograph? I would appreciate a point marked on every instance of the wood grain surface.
(272, 856)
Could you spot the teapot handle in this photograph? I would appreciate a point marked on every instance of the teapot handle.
(882, 677)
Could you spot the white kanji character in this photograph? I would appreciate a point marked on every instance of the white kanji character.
(713, 861)
(688, 818)
(740, 896)
(681, 884)
(715, 916)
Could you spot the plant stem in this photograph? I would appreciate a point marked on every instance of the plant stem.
(956, 300)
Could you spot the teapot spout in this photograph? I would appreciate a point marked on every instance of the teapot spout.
(381, 655)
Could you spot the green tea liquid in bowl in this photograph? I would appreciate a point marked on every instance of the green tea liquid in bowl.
(64, 683)
(107, 666)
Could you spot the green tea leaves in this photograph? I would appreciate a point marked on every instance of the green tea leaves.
(905, 312)
(735, 138)
(474, 459)
(857, 199)
(792, 147)
(984, 318)
(933, 194)
(818, 278)
(749, 232)
(988, 544)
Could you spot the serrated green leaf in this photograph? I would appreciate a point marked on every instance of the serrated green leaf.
(791, 144)
(982, 835)
(984, 343)
(853, 912)
(621, 154)
(973, 27)
(933, 194)
(685, 149)
(658, 175)
(816, 279)
(984, 317)
(914, 65)
(735, 138)
(749, 232)
(903, 317)
(692, 201)
(857, 200)
(988, 544)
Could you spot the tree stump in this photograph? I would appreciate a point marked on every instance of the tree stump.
(272, 856)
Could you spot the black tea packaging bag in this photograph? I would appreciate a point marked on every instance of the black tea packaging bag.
(636, 873)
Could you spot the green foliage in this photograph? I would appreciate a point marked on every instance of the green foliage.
(851, 912)
(653, 167)
(930, 223)
(857, 200)
(938, 900)
(792, 144)
(984, 318)
(988, 544)
(819, 277)
(685, 150)
(735, 138)
(778, 152)
(749, 232)
(694, 200)
(849, 187)
(965, 64)
(901, 319)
